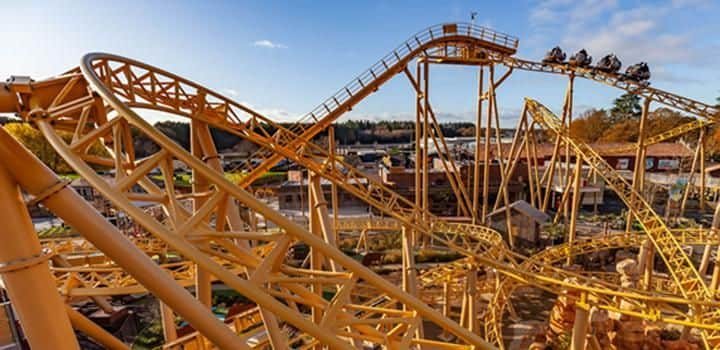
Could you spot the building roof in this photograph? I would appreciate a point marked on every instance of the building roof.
(526, 209)
(545, 150)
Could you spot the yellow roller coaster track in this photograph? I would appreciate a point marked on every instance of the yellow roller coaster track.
(99, 103)
(142, 86)
(682, 270)
(709, 113)
(648, 309)
(114, 80)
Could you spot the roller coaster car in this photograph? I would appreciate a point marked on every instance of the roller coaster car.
(639, 72)
(556, 55)
(580, 59)
(609, 64)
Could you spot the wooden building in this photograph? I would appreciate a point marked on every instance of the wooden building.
(525, 222)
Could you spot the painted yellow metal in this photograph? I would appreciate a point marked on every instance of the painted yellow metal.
(100, 103)
(26, 275)
(682, 270)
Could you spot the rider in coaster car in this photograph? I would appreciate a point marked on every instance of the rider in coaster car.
(639, 72)
(580, 59)
(609, 64)
(556, 55)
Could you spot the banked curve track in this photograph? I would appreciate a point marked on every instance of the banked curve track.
(98, 105)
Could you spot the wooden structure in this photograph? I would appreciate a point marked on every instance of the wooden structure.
(525, 221)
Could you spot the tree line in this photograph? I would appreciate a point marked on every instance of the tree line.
(620, 123)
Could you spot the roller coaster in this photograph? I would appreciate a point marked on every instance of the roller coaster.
(331, 301)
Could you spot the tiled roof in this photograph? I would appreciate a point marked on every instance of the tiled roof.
(545, 150)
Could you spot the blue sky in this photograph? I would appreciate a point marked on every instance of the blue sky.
(284, 57)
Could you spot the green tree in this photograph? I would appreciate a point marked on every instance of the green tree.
(626, 107)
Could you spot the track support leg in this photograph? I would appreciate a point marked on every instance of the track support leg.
(26, 274)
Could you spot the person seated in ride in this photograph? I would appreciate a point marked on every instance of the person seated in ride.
(555, 55)
(581, 59)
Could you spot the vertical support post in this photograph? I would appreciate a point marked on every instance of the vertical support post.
(333, 185)
(535, 165)
(691, 175)
(577, 197)
(426, 137)
(486, 161)
(647, 263)
(702, 170)
(478, 136)
(26, 275)
(418, 136)
(167, 317)
(471, 291)
(409, 277)
(569, 112)
(528, 162)
(639, 174)
(446, 305)
(321, 216)
(409, 272)
(549, 174)
(203, 279)
(316, 258)
(211, 157)
(580, 327)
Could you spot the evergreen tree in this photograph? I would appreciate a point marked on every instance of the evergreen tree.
(626, 107)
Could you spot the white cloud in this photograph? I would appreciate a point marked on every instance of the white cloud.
(634, 36)
(569, 10)
(274, 113)
(269, 44)
(643, 32)
(231, 92)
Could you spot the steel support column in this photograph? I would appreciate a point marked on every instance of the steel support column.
(486, 157)
(580, 327)
(426, 137)
(577, 199)
(75, 211)
(478, 137)
(203, 279)
(26, 274)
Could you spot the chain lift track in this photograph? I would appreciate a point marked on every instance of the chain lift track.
(99, 103)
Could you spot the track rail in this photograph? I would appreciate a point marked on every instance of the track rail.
(445, 37)
(139, 85)
(121, 84)
(682, 270)
(710, 114)
(98, 102)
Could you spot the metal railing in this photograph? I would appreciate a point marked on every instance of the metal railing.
(501, 41)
